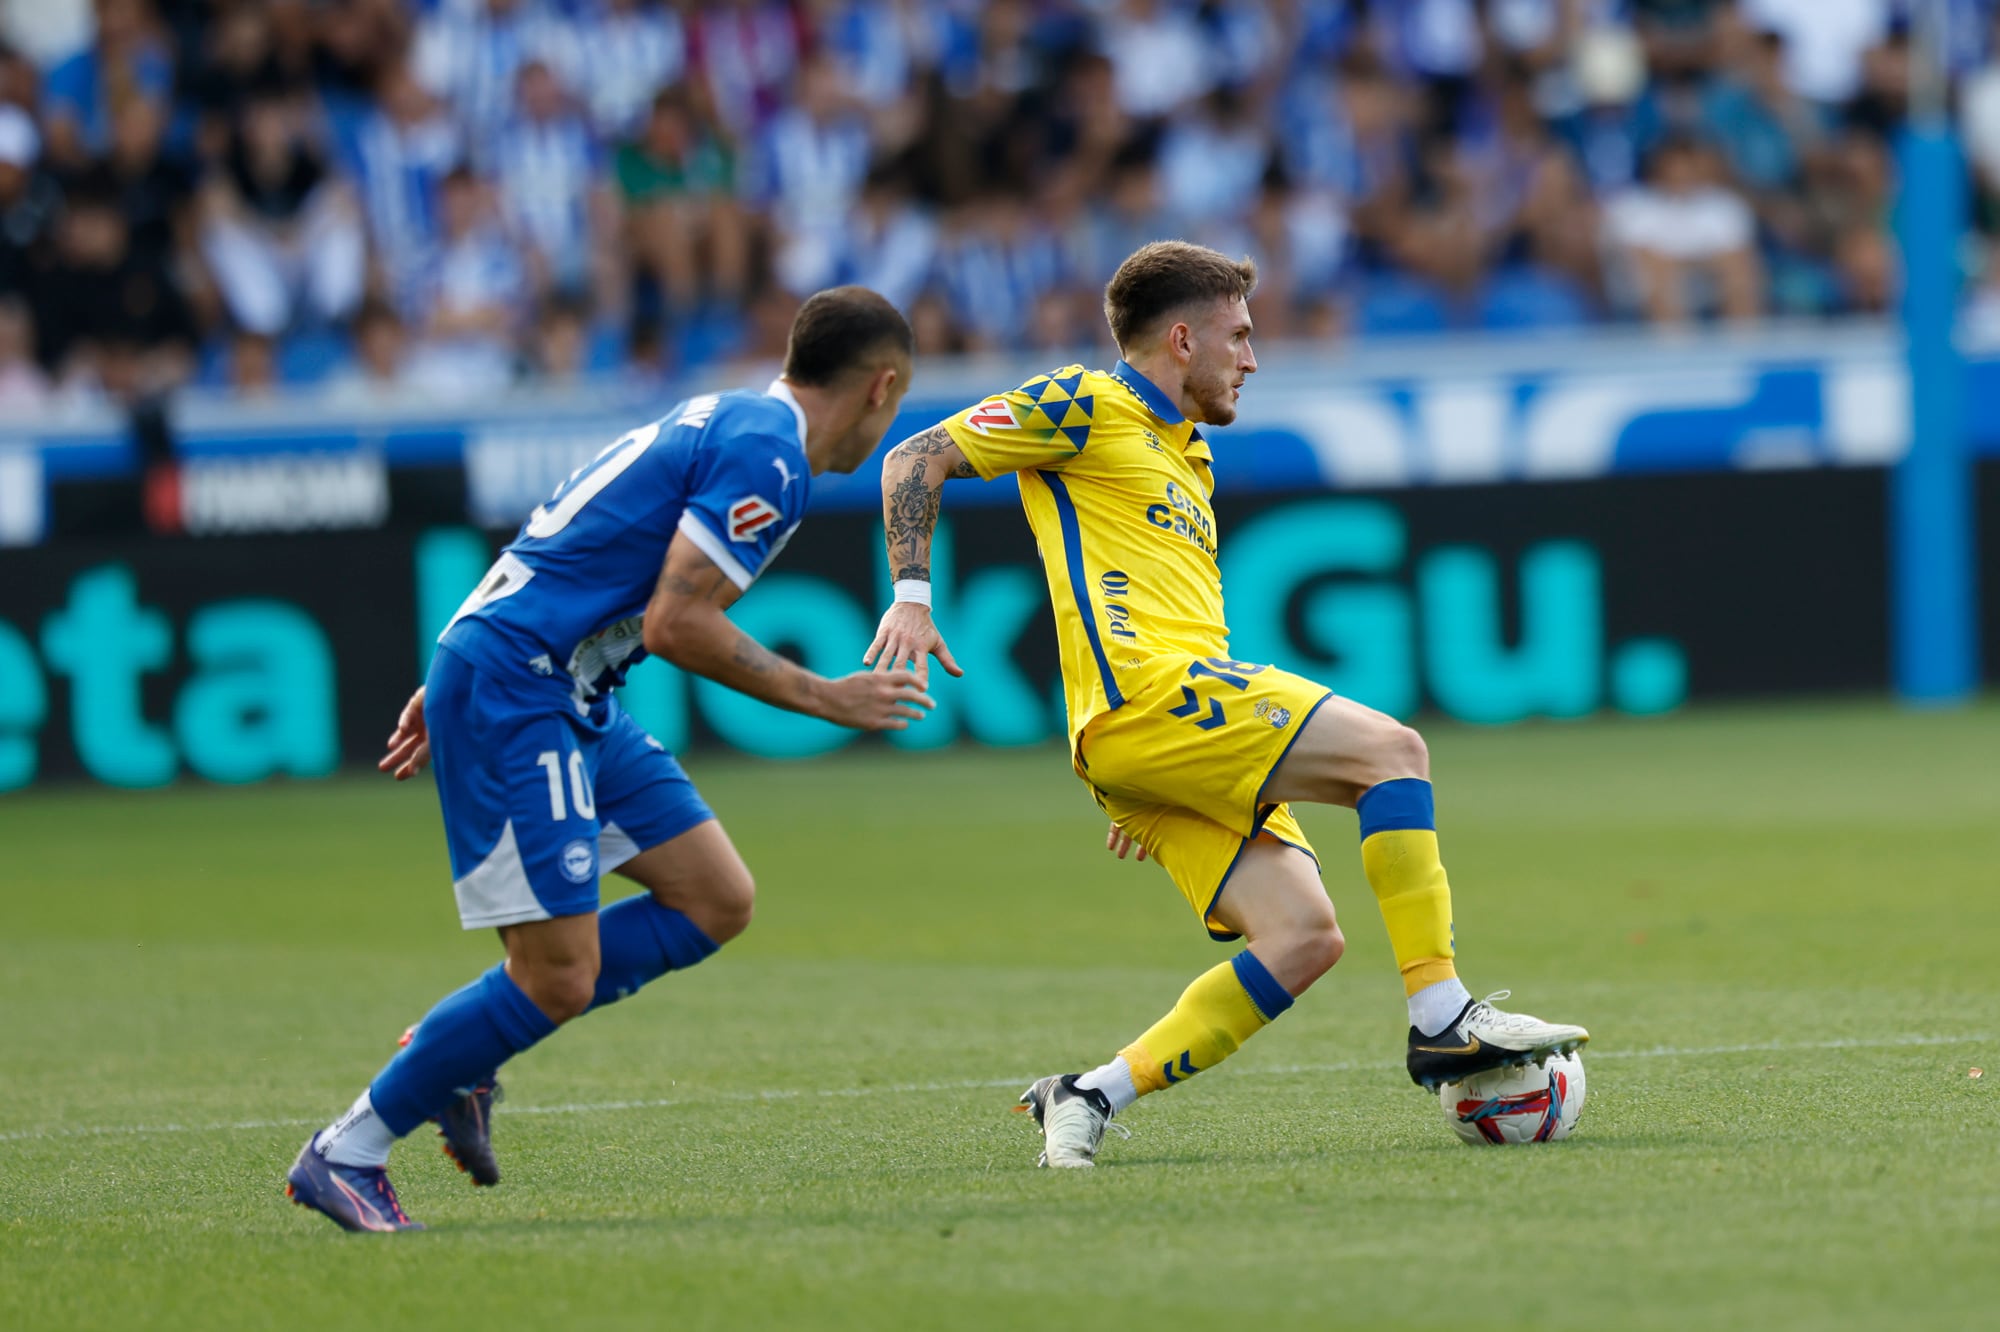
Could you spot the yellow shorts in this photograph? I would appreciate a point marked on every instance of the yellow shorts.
(1180, 767)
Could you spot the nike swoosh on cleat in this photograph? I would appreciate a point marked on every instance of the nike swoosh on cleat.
(1470, 1047)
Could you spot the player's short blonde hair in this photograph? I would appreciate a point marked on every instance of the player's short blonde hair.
(1166, 276)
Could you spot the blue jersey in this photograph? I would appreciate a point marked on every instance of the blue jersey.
(566, 600)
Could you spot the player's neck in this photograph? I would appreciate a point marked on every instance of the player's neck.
(1159, 372)
(824, 411)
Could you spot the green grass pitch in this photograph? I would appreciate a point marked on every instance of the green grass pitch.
(1780, 925)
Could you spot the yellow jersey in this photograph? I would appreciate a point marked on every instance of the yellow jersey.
(1116, 484)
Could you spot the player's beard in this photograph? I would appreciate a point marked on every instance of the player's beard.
(1216, 397)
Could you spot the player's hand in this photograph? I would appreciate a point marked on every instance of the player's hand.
(1121, 841)
(908, 637)
(410, 742)
(877, 700)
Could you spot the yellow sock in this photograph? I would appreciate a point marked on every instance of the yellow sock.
(1225, 1007)
(1399, 853)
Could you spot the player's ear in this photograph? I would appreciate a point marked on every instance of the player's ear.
(883, 385)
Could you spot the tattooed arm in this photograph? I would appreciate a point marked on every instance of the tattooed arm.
(686, 623)
(913, 477)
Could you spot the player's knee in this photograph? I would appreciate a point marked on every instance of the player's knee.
(1319, 948)
(1310, 946)
(563, 992)
(1401, 752)
(729, 909)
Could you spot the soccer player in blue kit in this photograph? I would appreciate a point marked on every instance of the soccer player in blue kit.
(546, 782)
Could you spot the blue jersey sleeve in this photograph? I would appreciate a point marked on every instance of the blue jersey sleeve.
(747, 493)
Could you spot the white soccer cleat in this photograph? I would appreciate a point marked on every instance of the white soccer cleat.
(1073, 1120)
(1482, 1038)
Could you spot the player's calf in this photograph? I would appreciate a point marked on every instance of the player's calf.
(1223, 1008)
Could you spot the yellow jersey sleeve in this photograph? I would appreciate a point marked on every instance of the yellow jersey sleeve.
(1041, 425)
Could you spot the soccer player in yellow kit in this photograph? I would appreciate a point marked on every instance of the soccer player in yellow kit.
(1193, 754)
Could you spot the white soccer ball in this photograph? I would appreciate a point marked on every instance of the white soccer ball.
(1524, 1103)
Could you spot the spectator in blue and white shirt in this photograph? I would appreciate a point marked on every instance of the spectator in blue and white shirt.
(127, 57)
(1212, 159)
(551, 177)
(615, 56)
(1159, 55)
(808, 171)
(875, 43)
(403, 152)
(891, 243)
(467, 302)
(470, 54)
(997, 268)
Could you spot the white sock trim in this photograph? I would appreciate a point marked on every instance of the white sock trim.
(1115, 1081)
(357, 1138)
(1433, 1007)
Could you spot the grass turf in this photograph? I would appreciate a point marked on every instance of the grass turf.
(1779, 925)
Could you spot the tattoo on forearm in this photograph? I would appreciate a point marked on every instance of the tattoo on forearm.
(754, 656)
(910, 511)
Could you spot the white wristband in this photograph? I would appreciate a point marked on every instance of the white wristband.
(914, 589)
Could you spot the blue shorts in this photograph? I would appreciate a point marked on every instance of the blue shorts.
(540, 799)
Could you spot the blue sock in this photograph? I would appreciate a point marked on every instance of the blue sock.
(458, 1044)
(638, 940)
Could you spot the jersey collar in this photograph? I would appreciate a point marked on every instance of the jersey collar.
(1149, 393)
(783, 393)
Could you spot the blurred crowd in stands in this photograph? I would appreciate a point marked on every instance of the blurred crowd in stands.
(445, 197)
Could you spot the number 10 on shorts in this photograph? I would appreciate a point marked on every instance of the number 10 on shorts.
(579, 785)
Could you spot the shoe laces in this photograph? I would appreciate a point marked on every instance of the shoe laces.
(1109, 1123)
(1500, 1017)
(385, 1192)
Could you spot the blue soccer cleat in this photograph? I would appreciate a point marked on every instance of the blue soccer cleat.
(467, 1128)
(352, 1197)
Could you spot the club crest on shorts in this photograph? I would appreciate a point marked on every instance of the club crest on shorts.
(748, 517)
(579, 861)
(1279, 717)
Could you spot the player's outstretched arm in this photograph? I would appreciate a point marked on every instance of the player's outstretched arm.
(913, 477)
(687, 623)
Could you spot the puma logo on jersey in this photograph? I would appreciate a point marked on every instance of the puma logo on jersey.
(784, 472)
(748, 517)
(993, 414)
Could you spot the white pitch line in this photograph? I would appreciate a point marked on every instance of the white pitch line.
(984, 1084)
